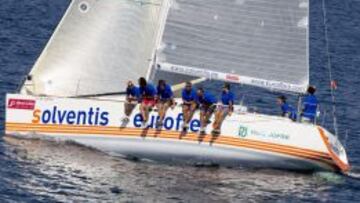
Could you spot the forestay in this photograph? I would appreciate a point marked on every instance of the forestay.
(256, 42)
(98, 46)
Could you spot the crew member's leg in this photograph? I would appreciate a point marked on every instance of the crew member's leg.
(220, 117)
(143, 114)
(186, 114)
(209, 112)
(185, 110)
(192, 110)
(145, 107)
(129, 107)
(160, 106)
(164, 109)
(203, 120)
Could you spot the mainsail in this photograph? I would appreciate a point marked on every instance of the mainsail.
(256, 42)
(98, 46)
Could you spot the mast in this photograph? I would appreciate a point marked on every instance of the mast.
(162, 23)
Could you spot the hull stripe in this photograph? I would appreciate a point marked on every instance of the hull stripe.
(162, 133)
(174, 135)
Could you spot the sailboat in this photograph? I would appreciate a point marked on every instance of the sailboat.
(75, 90)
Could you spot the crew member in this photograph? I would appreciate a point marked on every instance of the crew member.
(287, 110)
(147, 93)
(189, 104)
(165, 99)
(310, 105)
(132, 98)
(207, 103)
(224, 109)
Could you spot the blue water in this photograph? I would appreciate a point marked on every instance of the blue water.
(41, 171)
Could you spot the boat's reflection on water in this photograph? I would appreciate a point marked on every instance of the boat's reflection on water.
(68, 172)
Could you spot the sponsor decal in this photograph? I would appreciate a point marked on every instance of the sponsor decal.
(24, 104)
(245, 131)
(195, 72)
(272, 135)
(55, 115)
(277, 85)
(169, 123)
(234, 78)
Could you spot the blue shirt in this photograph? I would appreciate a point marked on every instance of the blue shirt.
(289, 110)
(310, 107)
(148, 91)
(207, 99)
(227, 98)
(165, 93)
(132, 91)
(189, 96)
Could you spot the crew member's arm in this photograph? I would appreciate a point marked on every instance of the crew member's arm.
(231, 105)
(171, 94)
(128, 92)
(131, 97)
(139, 95)
(283, 110)
(157, 96)
(195, 103)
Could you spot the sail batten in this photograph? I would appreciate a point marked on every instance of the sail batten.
(264, 42)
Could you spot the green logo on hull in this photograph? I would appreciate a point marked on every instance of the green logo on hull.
(243, 131)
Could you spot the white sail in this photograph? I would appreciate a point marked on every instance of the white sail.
(256, 42)
(97, 47)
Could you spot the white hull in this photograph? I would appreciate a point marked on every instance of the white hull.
(250, 140)
(195, 153)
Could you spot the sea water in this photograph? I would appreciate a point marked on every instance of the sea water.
(43, 171)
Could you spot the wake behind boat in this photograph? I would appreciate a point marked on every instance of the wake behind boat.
(119, 41)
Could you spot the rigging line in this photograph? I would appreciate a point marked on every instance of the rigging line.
(99, 95)
(329, 66)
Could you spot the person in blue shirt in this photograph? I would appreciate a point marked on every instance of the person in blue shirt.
(207, 102)
(286, 109)
(147, 94)
(189, 106)
(224, 109)
(165, 99)
(310, 105)
(132, 97)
